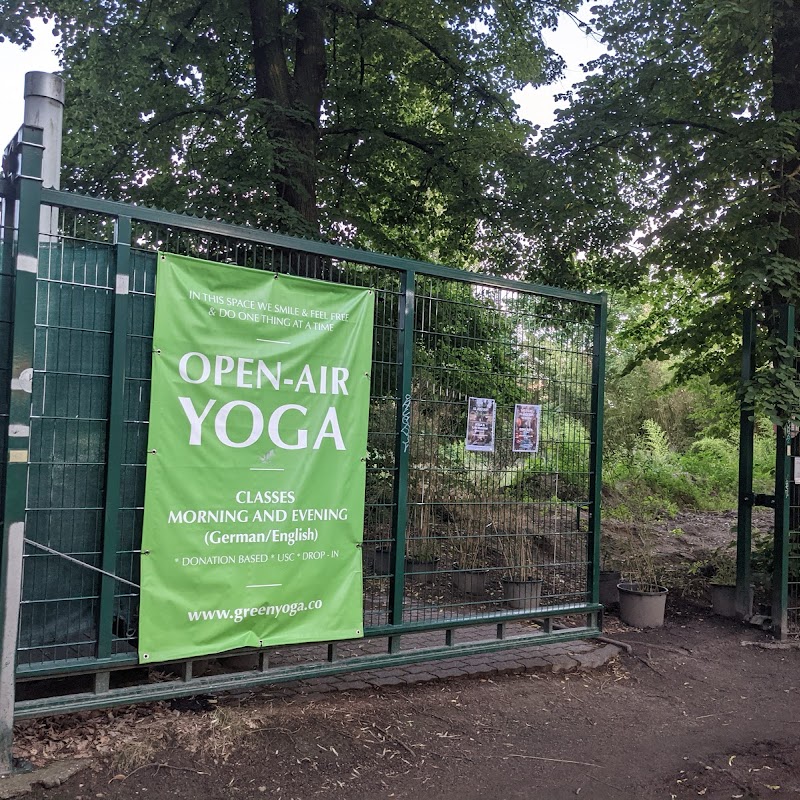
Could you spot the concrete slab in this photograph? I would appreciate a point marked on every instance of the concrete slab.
(21, 783)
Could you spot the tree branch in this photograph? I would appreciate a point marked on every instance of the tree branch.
(451, 63)
(181, 37)
(428, 148)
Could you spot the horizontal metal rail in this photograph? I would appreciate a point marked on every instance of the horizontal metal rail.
(201, 225)
(78, 666)
(166, 690)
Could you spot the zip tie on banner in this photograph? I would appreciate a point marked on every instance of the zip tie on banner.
(83, 563)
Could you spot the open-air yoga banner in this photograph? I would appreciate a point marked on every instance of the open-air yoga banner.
(254, 499)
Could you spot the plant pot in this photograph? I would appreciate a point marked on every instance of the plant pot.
(423, 569)
(642, 608)
(471, 581)
(522, 594)
(382, 562)
(723, 600)
(609, 594)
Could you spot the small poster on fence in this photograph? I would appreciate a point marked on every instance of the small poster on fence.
(480, 424)
(526, 428)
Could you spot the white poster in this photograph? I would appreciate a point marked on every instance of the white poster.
(480, 424)
(526, 428)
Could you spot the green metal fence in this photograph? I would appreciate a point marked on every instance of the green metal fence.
(443, 526)
(781, 607)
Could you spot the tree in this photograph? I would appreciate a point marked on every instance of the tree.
(673, 174)
(15, 20)
(386, 122)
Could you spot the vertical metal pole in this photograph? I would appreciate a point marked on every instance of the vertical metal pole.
(780, 573)
(44, 108)
(405, 351)
(12, 594)
(596, 449)
(745, 502)
(119, 346)
(29, 186)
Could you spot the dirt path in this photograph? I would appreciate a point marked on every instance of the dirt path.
(692, 713)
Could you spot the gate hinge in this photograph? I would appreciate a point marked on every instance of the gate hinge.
(767, 500)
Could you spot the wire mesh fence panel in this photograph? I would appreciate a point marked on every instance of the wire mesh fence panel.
(69, 419)
(482, 452)
(494, 523)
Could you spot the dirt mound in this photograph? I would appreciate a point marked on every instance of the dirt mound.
(688, 537)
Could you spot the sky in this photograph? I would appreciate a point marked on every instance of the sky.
(537, 105)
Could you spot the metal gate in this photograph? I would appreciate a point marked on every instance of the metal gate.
(782, 611)
(76, 316)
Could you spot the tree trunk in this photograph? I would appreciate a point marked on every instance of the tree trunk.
(294, 99)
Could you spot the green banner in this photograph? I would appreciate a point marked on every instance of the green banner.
(254, 500)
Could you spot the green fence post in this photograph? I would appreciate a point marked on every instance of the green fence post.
(745, 502)
(780, 574)
(29, 187)
(116, 431)
(7, 242)
(405, 350)
(596, 449)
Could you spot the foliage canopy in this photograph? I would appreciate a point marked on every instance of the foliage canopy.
(672, 177)
(389, 123)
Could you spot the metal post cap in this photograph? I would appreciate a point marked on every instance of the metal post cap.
(44, 84)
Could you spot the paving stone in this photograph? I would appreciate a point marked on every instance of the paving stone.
(599, 657)
(477, 669)
(455, 663)
(509, 666)
(581, 647)
(488, 666)
(415, 669)
(424, 677)
(450, 673)
(556, 651)
(537, 664)
(351, 686)
(387, 680)
(563, 663)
